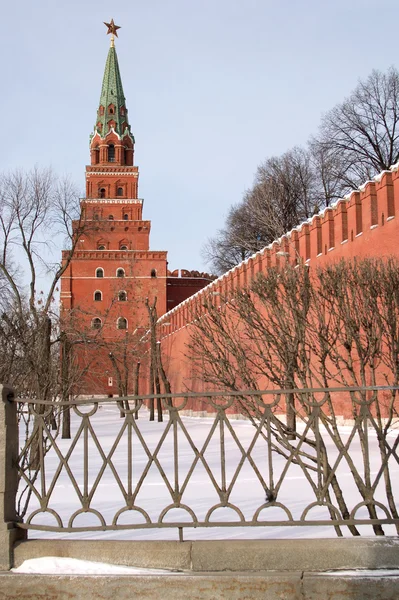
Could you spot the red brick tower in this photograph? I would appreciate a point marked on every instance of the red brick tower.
(113, 271)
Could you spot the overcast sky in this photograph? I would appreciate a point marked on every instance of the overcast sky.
(213, 88)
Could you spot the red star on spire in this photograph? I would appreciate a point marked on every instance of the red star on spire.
(112, 28)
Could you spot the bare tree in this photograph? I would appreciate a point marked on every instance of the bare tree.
(292, 330)
(224, 250)
(35, 209)
(282, 196)
(362, 132)
(357, 139)
(329, 168)
(157, 370)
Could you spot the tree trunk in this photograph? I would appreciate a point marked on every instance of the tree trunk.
(66, 411)
(136, 389)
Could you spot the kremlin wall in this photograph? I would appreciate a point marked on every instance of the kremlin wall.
(363, 224)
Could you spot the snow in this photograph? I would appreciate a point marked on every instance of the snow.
(51, 565)
(199, 494)
(364, 573)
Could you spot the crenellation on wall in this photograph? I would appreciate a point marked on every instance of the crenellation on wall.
(304, 242)
(352, 226)
(328, 230)
(341, 222)
(368, 202)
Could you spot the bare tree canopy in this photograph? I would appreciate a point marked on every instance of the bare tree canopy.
(36, 208)
(357, 139)
(283, 195)
(363, 130)
(294, 330)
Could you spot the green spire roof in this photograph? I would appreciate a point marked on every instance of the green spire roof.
(112, 101)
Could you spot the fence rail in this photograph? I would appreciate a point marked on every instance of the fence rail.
(121, 472)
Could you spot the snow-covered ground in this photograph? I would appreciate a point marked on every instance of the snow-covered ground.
(199, 494)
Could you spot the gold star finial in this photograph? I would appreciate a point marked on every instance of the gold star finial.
(112, 29)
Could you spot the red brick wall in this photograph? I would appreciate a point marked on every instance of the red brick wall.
(365, 223)
(181, 288)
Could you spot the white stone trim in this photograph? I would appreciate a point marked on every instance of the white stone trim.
(112, 200)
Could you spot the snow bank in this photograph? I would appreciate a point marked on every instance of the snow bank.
(50, 565)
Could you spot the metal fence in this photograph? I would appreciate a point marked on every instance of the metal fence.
(241, 466)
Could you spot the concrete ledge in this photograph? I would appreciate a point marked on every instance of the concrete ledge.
(353, 586)
(225, 555)
(203, 586)
(303, 555)
(175, 556)
(237, 586)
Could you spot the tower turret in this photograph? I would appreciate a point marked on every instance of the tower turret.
(112, 140)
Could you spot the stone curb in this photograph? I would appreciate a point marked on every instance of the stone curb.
(204, 586)
(225, 555)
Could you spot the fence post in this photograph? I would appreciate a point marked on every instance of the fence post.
(9, 445)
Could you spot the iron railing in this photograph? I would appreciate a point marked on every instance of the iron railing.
(251, 470)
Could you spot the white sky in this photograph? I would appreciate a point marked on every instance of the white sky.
(213, 87)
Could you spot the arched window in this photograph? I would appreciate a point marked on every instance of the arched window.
(96, 323)
(122, 296)
(122, 323)
(123, 247)
(101, 110)
(110, 217)
(101, 247)
(98, 296)
(125, 217)
(99, 272)
(111, 153)
(119, 191)
(120, 272)
(101, 193)
(153, 273)
(96, 155)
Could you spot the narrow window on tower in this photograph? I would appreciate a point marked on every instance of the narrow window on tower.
(122, 323)
(123, 247)
(101, 192)
(122, 296)
(98, 296)
(125, 217)
(99, 272)
(96, 323)
(153, 273)
(120, 272)
(96, 155)
(111, 153)
(110, 217)
(119, 191)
